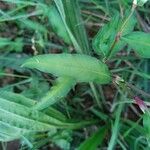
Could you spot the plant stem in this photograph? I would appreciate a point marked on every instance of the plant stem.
(95, 94)
(117, 38)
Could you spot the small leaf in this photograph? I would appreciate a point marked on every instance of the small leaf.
(140, 42)
(95, 140)
(81, 68)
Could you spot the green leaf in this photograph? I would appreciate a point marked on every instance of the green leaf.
(20, 99)
(57, 23)
(62, 87)
(17, 118)
(95, 140)
(8, 133)
(81, 68)
(105, 37)
(146, 124)
(70, 14)
(24, 117)
(140, 42)
(130, 24)
(75, 23)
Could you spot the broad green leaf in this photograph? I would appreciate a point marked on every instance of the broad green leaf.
(140, 42)
(57, 24)
(95, 140)
(62, 87)
(81, 68)
(105, 38)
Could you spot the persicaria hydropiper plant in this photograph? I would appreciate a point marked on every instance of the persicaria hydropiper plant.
(77, 74)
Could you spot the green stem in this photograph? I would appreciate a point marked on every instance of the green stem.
(95, 94)
(117, 38)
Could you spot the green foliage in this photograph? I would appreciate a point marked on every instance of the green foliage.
(81, 68)
(105, 37)
(57, 23)
(10, 45)
(140, 42)
(140, 2)
(19, 119)
(20, 99)
(95, 140)
(79, 42)
(75, 23)
(146, 122)
(43, 114)
(62, 87)
(33, 25)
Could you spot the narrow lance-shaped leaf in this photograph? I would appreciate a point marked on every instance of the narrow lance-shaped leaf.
(57, 24)
(17, 118)
(146, 124)
(22, 118)
(20, 99)
(61, 10)
(9, 133)
(81, 68)
(62, 87)
(75, 23)
(140, 42)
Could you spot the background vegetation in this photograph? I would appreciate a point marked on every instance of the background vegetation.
(84, 115)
